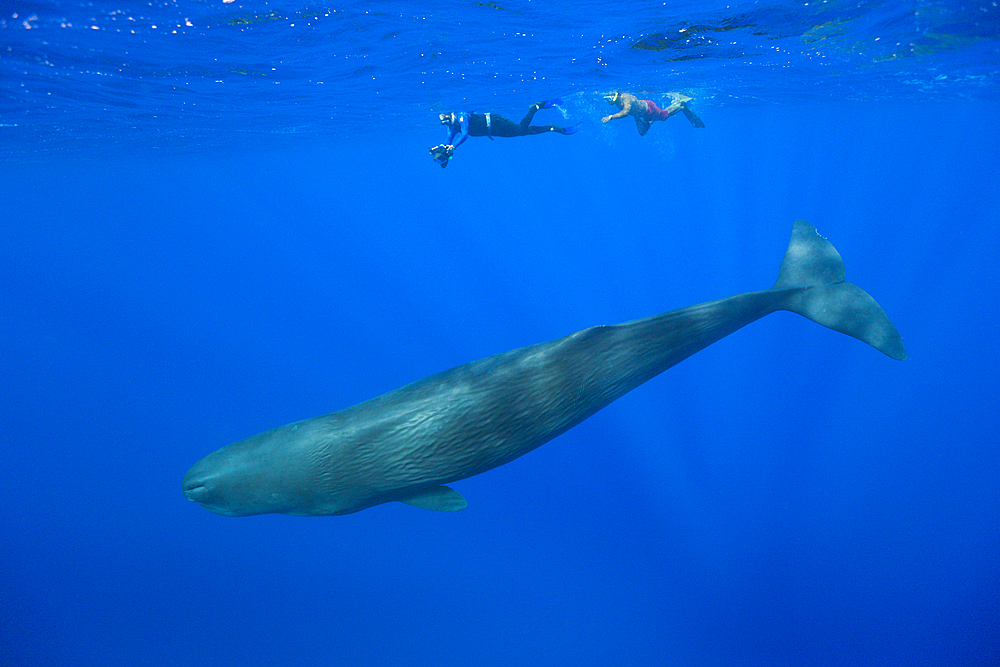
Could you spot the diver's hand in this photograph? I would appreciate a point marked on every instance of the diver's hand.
(606, 119)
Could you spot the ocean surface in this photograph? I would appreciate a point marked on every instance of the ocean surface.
(221, 217)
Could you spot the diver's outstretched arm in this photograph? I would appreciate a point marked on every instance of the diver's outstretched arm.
(626, 107)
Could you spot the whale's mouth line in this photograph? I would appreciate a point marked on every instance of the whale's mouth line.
(193, 490)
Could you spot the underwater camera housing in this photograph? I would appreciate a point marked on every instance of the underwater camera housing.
(441, 154)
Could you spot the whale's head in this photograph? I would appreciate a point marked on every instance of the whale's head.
(280, 471)
(237, 481)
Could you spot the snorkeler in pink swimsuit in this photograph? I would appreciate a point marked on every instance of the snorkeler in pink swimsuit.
(646, 111)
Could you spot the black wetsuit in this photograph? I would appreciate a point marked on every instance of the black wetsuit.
(497, 126)
(503, 127)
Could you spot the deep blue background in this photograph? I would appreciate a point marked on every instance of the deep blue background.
(788, 496)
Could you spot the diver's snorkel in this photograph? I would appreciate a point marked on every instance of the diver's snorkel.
(611, 98)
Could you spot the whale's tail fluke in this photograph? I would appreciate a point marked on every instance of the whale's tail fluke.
(812, 262)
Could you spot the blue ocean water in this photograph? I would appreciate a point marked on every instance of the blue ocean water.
(222, 217)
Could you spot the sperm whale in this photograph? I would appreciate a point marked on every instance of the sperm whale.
(408, 444)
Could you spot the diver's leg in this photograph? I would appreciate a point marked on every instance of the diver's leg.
(526, 121)
(672, 109)
(541, 129)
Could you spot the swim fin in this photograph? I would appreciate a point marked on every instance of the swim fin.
(572, 129)
(548, 104)
(692, 117)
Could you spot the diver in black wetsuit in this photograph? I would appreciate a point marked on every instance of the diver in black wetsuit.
(465, 124)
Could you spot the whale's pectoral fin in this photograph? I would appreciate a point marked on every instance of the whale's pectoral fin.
(437, 498)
